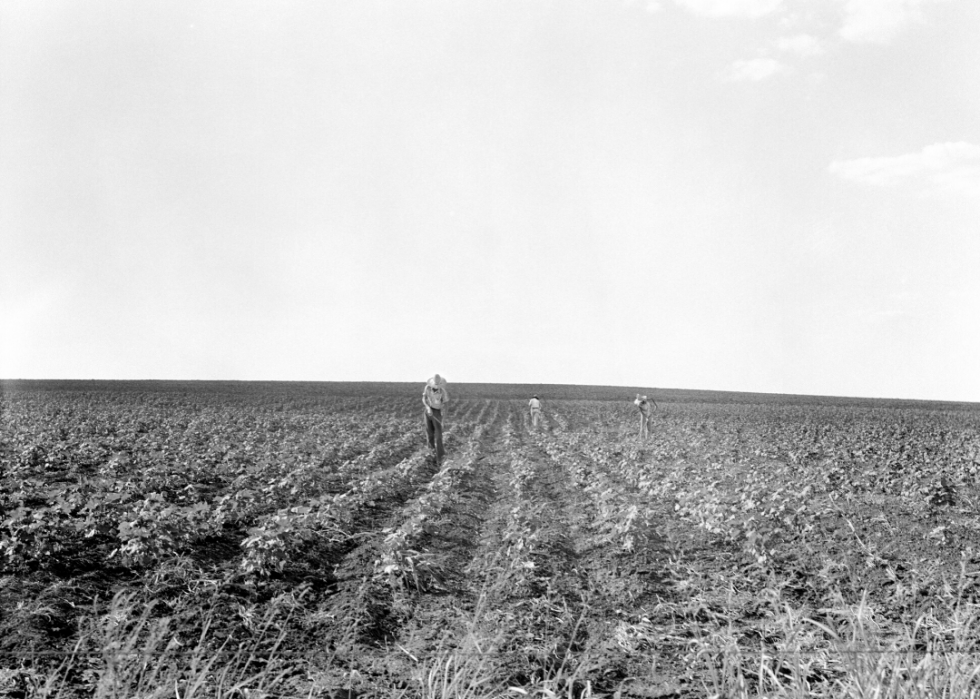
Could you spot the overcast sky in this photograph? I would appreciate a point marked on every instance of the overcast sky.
(754, 195)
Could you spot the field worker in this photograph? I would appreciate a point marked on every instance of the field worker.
(644, 404)
(535, 405)
(434, 397)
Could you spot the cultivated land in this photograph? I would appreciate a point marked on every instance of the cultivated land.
(224, 539)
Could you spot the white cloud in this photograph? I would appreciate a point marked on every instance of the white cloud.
(753, 69)
(653, 7)
(879, 21)
(951, 168)
(801, 44)
(730, 8)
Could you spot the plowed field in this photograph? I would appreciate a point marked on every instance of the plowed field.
(300, 540)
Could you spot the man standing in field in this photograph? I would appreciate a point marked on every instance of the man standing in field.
(643, 405)
(535, 405)
(434, 397)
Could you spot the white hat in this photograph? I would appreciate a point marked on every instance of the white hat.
(437, 381)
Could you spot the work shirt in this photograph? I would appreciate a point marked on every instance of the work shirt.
(643, 405)
(435, 396)
(535, 404)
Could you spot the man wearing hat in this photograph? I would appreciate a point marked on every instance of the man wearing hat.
(434, 397)
(643, 405)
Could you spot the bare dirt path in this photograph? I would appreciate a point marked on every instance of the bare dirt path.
(534, 572)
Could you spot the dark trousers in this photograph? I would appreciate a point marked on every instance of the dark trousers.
(433, 431)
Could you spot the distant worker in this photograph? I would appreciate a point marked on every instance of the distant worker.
(535, 405)
(434, 398)
(643, 404)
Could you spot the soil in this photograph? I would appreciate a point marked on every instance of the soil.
(573, 557)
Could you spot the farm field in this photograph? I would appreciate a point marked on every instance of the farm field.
(230, 539)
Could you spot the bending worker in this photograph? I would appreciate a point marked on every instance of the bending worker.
(643, 404)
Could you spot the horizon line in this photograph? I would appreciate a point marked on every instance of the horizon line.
(505, 383)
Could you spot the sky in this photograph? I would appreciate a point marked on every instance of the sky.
(748, 195)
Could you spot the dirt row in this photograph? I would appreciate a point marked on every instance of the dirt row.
(533, 569)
